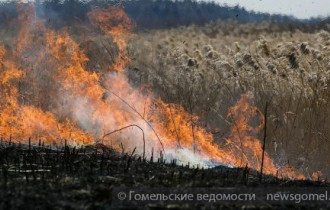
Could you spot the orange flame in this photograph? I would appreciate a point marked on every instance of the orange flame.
(22, 121)
(116, 23)
(243, 141)
(317, 175)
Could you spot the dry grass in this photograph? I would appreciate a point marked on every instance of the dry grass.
(207, 68)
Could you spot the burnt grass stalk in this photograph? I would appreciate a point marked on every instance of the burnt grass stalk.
(37, 176)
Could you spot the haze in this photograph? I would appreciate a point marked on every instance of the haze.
(302, 9)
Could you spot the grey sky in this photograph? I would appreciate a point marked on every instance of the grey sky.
(297, 8)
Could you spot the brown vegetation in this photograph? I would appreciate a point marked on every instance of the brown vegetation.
(207, 68)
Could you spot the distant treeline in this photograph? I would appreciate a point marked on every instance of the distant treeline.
(150, 14)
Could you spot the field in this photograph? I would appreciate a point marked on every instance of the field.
(88, 105)
(207, 68)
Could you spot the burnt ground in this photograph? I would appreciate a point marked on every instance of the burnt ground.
(38, 177)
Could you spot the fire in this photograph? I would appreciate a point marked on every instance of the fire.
(243, 139)
(23, 122)
(317, 176)
(116, 23)
(69, 102)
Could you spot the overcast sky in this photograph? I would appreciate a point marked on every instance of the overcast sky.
(297, 8)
